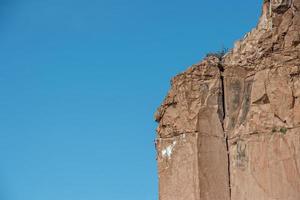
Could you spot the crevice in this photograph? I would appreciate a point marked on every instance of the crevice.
(263, 100)
(280, 119)
(228, 160)
(221, 68)
(226, 137)
(176, 135)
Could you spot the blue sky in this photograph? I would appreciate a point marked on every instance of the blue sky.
(80, 81)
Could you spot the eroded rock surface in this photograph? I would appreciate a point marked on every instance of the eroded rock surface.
(192, 152)
(230, 128)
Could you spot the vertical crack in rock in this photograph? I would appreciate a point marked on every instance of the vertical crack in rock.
(222, 111)
(228, 159)
(222, 119)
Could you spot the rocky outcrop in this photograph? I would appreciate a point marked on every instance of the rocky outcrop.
(191, 144)
(230, 127)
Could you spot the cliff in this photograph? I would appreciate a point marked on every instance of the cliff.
(229, 128)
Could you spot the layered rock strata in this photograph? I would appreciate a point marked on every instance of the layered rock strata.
(229, 128)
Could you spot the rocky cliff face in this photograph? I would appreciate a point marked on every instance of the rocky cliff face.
(229, 128)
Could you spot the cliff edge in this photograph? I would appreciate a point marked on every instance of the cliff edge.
(229, 128)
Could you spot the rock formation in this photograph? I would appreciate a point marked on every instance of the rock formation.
(229, 128)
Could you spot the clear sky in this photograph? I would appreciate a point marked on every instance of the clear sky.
(80, 81)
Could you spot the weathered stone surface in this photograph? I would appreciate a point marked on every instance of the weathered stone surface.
(232, 125)
(192, 152)
(198, 87)
(265, 166)
(178, 167)
(192, 166)
(235, 89)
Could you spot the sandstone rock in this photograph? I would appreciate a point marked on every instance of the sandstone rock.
(192, 152)
(198, 87)
(178, 168)
(266, 167)
(230, 128)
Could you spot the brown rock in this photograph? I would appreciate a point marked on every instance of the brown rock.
(230, 128)
(192, 152)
